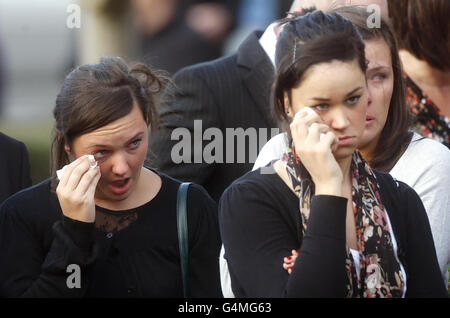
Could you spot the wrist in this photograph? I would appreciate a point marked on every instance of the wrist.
(332, 187)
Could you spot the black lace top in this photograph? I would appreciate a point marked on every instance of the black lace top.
(132, 253)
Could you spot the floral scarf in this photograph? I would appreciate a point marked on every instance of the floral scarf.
(429, 120)
(380, 270)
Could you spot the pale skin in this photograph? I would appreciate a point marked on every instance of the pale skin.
(380, 79)
(340, 113)
(120, 149)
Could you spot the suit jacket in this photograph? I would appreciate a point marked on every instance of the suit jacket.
(228, 93)
(14, 167)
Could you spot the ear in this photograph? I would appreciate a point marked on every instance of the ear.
(67, 148)
(287, 107)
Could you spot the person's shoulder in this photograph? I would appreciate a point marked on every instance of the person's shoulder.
(398, 193)
(429, 147)
(8, 144)
(208, 69)
(196, 192)
(262, 182)
(29, 200)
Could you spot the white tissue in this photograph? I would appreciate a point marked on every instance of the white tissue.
(60, 172)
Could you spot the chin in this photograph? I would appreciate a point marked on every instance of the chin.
(343, 153)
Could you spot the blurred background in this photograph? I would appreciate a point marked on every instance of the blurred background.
(41, 41)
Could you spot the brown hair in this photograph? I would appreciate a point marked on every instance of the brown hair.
(310, 39)
(422, 28)
(395, 136)
(95, 95)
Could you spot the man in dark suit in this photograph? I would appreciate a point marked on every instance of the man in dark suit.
(230, 92)
(225, 94)
(14, 167)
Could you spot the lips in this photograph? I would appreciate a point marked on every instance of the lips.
(120, 186)
(369, 119)
(346, 141)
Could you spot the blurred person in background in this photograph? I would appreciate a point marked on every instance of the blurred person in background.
(14, 167)
(178, 33)
(422, 29)
(228, 93)
(14, 161)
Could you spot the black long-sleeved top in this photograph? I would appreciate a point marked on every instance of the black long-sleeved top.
(37, 244)
(260, 225)
(14, 167)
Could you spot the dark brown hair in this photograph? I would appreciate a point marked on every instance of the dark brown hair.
(422, 28)
(95, 95)
(395, 136)
(310, 39)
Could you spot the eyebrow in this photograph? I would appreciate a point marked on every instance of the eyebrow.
(319, 99)
(139, 134)
(378, 68)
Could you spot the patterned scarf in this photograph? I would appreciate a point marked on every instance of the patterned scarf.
(380, 271)
(430, 122)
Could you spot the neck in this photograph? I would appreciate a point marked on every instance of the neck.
(345, 165)
(368, 150)
(422, 73)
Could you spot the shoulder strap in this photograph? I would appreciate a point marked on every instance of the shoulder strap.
(183, 234)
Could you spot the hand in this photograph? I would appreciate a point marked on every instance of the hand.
(316, 152)
(76, 190)
(289, 262)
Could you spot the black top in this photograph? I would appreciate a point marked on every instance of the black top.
(260, 225)
(232, 93)
(14, 167)
(37, 244)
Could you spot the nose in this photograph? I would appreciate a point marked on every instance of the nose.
(339, 118)
(119, 164)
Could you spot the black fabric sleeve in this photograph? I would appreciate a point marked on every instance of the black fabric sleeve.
(423, 274)
(257, 237)
(319, 270)
(191, 100)
(28, 270)
(204, 244)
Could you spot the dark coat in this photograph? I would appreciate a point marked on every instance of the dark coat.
(231, 92)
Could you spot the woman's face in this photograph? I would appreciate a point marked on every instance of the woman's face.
(120, 149)
(337, 91)
(380, 79)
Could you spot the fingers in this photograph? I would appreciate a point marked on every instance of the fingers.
(89, 181)
(77, 173)
(330, 140)
(315, 131)
(301, 123)
(69, 169)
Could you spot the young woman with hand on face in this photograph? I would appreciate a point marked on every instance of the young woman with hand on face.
(387, 142)
(115, 220)
(324, 200)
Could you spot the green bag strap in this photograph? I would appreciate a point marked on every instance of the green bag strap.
(183, 234)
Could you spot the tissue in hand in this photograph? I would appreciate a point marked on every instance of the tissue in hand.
(60, 172)
(309, 110)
